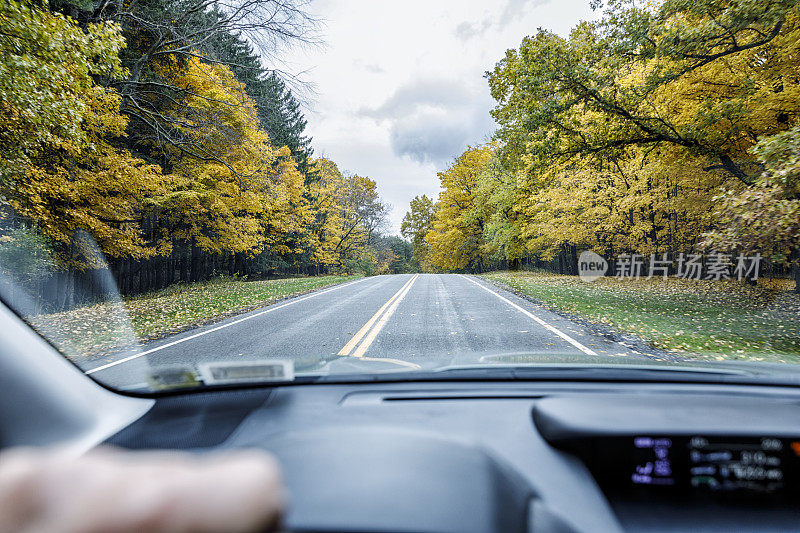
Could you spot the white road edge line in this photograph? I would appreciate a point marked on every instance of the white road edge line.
(223, 326)
(541, 322)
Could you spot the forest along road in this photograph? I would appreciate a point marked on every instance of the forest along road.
(393, 322)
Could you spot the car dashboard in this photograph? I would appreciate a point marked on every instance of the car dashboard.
(512, 456)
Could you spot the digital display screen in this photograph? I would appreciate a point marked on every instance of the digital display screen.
(730, 466)
(716, 464)
(652, 461)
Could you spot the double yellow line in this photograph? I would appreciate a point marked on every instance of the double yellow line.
(375, 324)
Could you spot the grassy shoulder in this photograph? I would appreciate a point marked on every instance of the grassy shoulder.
(106, 327)
(707, 319)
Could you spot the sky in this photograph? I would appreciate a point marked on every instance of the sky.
(398, 88)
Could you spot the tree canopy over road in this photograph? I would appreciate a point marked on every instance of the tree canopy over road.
(663, 127)
(158, 128)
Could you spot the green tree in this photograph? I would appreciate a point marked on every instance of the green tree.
(47, 74)
(60, 171)
(765, 217)
(417, 222)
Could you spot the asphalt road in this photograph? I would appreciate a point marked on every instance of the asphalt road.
(382, 323)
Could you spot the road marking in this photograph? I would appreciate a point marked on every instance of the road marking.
(365, 344)
(541, 322)
(223, 326)
(400, 362)
(363, 331)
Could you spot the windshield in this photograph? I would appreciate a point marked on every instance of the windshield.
(198, 193)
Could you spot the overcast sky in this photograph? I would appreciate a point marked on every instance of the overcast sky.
(399, 90)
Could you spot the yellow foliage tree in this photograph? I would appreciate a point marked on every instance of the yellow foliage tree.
(456, 240)
(236, 193)
(59, 169)
(347, 210)
(654, 204)
(326, 196)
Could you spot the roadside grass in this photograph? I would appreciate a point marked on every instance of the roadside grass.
(106, 327)
(706, 319)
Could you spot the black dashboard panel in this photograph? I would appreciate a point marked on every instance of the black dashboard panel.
(723, 413)
(668, 462)
(191, 421)
(389, 479)
(467, 456)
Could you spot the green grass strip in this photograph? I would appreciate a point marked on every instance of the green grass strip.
(720, 320)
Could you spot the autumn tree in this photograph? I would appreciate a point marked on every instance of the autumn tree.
(248, 198)
(348, 212)
(643, 205)
(47, 79)
(240, 34)
(765, 217)
(362, 215)
(707, 76)
(279, 112)
(96, 93)
(504, 196)
(417, 222)
(456, 239)
(60, 170)
(629, 133)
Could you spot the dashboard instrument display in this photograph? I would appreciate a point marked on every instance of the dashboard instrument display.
(765, 465)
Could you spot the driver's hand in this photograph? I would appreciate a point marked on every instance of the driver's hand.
(121, 491)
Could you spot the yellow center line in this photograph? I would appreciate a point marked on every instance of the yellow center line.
(363, 331)
(362, 348)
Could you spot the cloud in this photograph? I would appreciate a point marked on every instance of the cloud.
(375, 69)
(467, 30)
(433, 121)
(426, 142)
(372, 68)
(435, 93)
(512, 10)
(515, 9)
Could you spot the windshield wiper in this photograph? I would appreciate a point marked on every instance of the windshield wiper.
(705, 372)
(751, 374)
(599, 369)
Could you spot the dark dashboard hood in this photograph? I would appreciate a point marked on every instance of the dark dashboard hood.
(560, 367)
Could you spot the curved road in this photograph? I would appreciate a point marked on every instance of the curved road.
(407, 321)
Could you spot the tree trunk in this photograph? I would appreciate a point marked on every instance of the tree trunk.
(183, 264)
